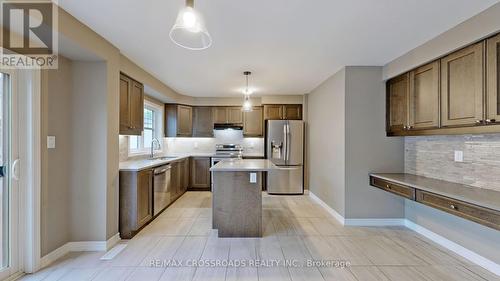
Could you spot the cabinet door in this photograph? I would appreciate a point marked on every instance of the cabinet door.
(137, 108)
(202, 122)
(493, 78)
(462, 87)
(184, 120)
(397, 103)
(220, 114)
(125, 87)
(253, 123)
(144, 197)
(185, 175)
(200, 173)
(292, 111)
(424, 97)
(175, 179)
(234, 115)
(273, 112)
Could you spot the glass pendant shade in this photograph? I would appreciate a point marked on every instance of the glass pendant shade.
(247, 104)
(189, 30)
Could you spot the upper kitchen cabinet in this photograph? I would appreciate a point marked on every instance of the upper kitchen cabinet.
(225, 115)
(203, 122)
(292, 111)
(131, 106)
(178, 120)
(493, 78)
(462, 87)
(283, 112)
(397, 103)
(424, 97)
(253, 123)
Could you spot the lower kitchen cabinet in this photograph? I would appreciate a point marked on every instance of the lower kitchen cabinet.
(200, 173)
(136, 201)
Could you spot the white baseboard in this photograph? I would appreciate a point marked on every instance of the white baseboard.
(448, 244)
(374, 222)
(329, 209)
(454, 247)
(81, 246)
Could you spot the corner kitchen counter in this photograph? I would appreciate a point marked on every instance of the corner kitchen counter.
(237, 196)
(143, 164)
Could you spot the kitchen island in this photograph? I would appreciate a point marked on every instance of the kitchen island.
(237, 196)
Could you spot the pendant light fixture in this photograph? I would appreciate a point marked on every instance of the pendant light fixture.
(247, 104)
(189, 30)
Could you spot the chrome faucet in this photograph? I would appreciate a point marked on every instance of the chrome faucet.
(158, 145)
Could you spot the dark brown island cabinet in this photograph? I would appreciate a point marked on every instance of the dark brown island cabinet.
(131, 106)
(455, 94)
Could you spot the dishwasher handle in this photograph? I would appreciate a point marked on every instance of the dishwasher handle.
(162, 170)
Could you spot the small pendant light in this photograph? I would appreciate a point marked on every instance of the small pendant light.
(189, 30)
(247, 104)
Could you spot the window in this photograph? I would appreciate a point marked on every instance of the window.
(152, 129)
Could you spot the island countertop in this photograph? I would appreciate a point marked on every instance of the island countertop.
(242, 165)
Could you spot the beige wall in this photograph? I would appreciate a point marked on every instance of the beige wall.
(325, 143)
(346, 141)
(471, 30)
(56, 121)
(367, 149)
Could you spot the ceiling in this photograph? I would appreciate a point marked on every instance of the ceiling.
(291, 46)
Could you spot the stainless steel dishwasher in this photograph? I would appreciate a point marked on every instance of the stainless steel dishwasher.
(161, 185)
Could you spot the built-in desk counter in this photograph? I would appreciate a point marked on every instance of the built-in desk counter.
(472, 203)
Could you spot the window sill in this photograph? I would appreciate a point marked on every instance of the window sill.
(142, 152)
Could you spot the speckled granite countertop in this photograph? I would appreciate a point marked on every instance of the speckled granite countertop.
(479, 196)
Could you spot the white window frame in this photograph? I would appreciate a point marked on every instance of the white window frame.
(158, 119)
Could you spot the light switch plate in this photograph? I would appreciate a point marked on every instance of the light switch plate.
(51, 142)
(459, 156)
(253, 177)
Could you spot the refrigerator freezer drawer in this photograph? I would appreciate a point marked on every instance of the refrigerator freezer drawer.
(285, 180)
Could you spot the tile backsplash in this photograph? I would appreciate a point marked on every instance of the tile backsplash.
(433, 157)
(201, 145)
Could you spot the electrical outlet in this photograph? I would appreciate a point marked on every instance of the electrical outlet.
(253, 177)
(51, 142)
(459, 156)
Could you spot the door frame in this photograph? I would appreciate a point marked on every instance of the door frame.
(29, 146)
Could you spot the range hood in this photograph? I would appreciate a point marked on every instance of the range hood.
(228, 126)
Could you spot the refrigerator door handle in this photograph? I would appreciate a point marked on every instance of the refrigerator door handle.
(285, 143)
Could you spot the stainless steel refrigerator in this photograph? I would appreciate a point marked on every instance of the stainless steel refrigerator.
(285, 148)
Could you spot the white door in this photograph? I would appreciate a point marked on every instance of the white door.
(9, 163)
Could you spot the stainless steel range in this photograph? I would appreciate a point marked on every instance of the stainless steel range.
(224, 152)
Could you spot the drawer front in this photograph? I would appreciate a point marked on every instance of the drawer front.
(484, 216)
(401, 190)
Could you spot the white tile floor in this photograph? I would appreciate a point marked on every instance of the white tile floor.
(296, 230)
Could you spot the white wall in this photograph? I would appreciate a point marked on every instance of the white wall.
(325, 144)
(480, 26)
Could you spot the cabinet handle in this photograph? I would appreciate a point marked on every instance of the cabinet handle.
(388, 186)
(405, 127)
(489, 121)
(479, 122)
(453, 207)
